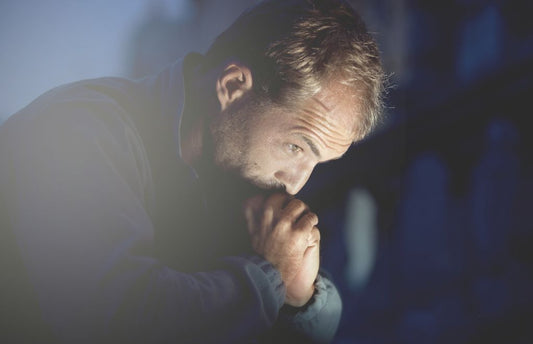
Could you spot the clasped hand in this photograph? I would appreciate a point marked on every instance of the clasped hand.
(283, 230)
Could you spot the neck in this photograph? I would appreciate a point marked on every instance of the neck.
(191, 140)
(193, 123)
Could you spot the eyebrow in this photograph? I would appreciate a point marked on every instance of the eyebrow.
(311, 145)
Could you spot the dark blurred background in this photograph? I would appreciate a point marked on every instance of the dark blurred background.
(426, 224)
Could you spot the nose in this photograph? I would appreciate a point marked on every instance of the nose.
(294, 179)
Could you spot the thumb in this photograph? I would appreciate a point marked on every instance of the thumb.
(252, 206)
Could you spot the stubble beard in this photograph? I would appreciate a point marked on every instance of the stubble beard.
(231, 142)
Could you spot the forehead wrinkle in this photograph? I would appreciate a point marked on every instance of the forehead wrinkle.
(341, 96)
(327, 140)
(322, 119)
(319, 102)
(331, 113)
(317, 120)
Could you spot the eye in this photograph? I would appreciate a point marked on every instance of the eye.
(294, 148)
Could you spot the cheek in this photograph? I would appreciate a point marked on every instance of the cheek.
(266, 148)
(265, 160)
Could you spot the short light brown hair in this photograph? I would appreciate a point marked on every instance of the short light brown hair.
(294, 46)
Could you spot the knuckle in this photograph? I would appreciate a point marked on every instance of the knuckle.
(283, 222)
(297, 204)
(295, 207)
(313, 218)
(309, 220)
(316, 234)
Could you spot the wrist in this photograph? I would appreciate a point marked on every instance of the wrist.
(300, 301)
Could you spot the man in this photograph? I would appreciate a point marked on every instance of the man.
(162, 210)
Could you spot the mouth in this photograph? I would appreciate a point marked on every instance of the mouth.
(268, 187)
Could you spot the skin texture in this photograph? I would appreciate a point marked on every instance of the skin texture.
(272, 147)
(275, 148)
(283, 230)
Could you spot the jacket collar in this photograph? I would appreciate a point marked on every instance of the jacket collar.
(171, 88)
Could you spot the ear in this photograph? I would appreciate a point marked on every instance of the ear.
(234, 81)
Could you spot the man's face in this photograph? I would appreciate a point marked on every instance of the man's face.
(274, 147)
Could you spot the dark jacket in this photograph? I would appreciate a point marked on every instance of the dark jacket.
(102, 229)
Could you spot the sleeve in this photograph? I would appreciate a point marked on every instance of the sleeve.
(316, 322)
(77, 212)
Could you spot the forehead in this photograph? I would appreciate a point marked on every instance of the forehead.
(340, 105)
(328, 120)
(332, 113)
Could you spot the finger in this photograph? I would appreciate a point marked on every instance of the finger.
(314, 237)
(252, 208)
(309, 251)
(277, 200)
(251, 221)
(294, 209)
(307, 221)
(267, 220)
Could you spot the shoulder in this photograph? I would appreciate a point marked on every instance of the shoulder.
(100, 96)
(99, 107)
(80, 126)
